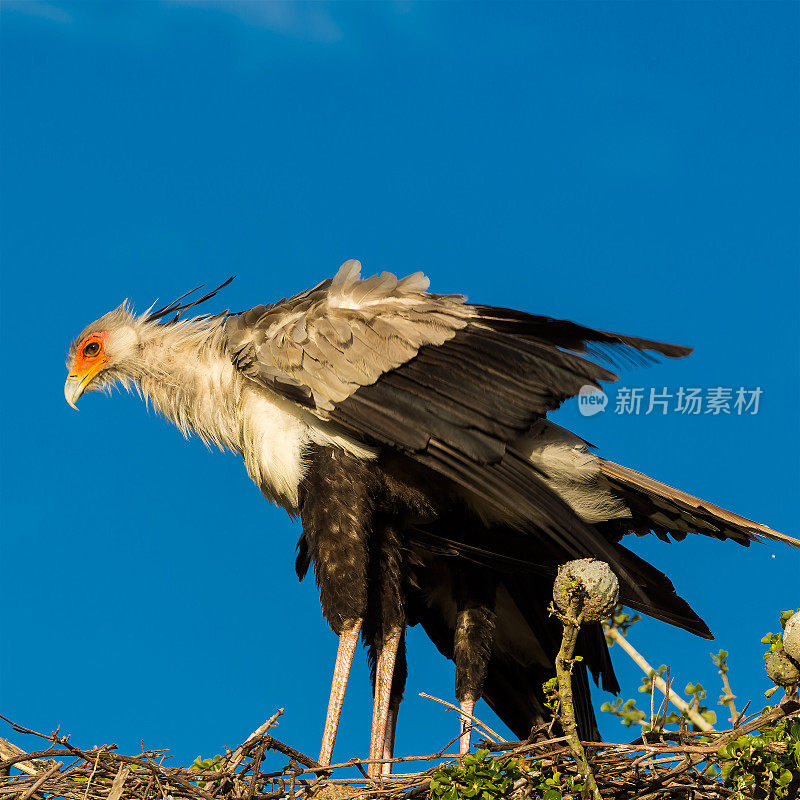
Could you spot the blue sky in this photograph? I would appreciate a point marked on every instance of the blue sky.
(632, 166)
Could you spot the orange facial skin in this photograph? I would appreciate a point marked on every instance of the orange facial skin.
(90, 358)
(90, 364)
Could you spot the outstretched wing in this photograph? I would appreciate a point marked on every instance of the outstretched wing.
(322, 345)
(450, 384)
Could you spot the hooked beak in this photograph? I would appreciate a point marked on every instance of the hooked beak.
(74, 388)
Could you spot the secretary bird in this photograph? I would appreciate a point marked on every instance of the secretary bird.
(409, 431)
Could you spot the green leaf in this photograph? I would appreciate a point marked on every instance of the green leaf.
(786, 616)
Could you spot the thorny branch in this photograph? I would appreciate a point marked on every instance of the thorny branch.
(658, 682)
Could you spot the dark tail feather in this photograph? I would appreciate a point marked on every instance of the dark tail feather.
(532, 598)
(513, 690)
(515, 695)
(664, 602)
(524, 649)
(672, 513)
(582, 701)
(593, 646)
(661, 600)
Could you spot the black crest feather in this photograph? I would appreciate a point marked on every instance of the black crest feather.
(177, 307)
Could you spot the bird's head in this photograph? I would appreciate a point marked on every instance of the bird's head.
(104, 352)
(111, 349)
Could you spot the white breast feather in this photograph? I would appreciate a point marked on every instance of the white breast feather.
(275, 435)
(272, 447)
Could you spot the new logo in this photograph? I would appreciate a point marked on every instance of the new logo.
(591, 400)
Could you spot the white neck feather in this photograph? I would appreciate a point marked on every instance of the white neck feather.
(186, 373)
(188, 377)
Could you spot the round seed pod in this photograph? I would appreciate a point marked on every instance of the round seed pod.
(596, 583)
(791, 638)
(781, 669)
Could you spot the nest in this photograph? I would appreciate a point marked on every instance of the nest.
(676, 765)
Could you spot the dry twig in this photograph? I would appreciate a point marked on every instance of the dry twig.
(674, 767)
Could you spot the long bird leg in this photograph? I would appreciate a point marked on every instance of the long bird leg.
(383, 632)
(348, 640)
(465, 740)
(388, 741)
(383, 693)
(398, 687)
(336, 511)
(474, 640)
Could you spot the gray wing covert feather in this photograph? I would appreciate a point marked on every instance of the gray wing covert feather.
(322, 345)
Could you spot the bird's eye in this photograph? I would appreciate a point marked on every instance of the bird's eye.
(91, 349)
